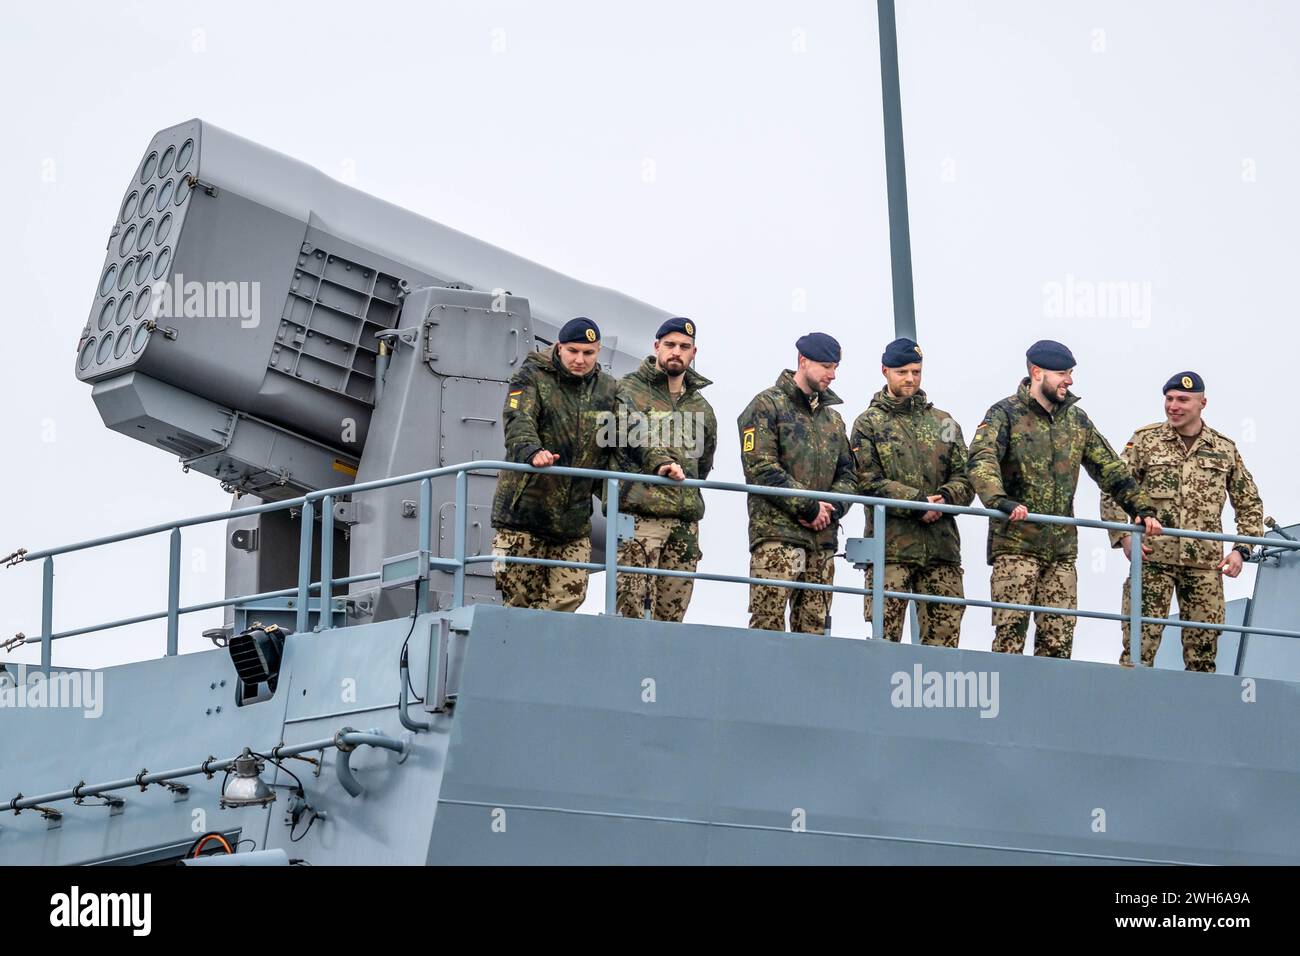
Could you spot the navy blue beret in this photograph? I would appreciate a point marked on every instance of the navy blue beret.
(684, 326)
(819, 347)
(1050, 355)
(1185, 382)
(581, 329)
(900, 352)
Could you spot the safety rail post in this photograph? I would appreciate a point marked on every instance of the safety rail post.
(174, 592)
(325, 620)
(47, 612)
(878, 572)
(426, 539)
(611, 546)
(1135, 602)
(462, 529)
(308, 517)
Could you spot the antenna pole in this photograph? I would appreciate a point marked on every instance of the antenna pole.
(900, 241)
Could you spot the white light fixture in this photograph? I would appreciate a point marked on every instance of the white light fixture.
(247, 788)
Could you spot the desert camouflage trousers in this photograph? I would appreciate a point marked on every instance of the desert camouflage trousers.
(1018, 579)
(666, 543)
(786, 562)
(940, 623)
(1200, 598)
(536, 585)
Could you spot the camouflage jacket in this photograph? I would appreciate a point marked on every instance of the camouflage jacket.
(654, 431)
(549, 408)
(1188, 488)
(1021, 454)
(908, 449)
(787, 443)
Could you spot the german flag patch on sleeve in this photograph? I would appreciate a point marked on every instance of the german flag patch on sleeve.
(514, 397)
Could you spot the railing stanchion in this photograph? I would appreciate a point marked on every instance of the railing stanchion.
(462, 529)
(174, 593)
(47, 613)
(308, 518)
(878, 572)
(325, 620)
(1135, 602)
(426, 539)
(611, 545)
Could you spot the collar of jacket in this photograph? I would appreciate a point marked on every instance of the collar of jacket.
(1034, 404)
(549, 361)
(1168, 434)
(785, 382)
(903, 406)
(650, 373)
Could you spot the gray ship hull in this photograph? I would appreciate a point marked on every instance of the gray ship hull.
(589, 740)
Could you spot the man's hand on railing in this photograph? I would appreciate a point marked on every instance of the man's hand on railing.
(1151, 526)
(544, 459)
(1127, 544)
(1231, 565)
(1018, 513)
(672, 470)
(932, 516)
(824, 512)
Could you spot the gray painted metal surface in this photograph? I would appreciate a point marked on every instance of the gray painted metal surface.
(1277, 597)
(558, 750)
(164, 713)
(900, 238)
(241, 321)
(748, 728)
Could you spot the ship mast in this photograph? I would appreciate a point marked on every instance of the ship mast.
(900, 242)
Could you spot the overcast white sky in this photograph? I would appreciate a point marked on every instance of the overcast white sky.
(1108, 142)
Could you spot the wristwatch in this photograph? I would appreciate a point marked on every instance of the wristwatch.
(1243, 550)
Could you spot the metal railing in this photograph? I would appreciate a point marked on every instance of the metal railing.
(457, 565)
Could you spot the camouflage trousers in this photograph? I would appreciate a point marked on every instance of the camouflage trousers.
(786, 562)
(1200, 598)
(536, 585)
(940, 623)
(1019, 579)
(667, 543)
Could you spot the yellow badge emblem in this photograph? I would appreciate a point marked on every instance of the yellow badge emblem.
(749, 439)
(591, 335)
(917, 350)
(690, 328)
(1187, 381)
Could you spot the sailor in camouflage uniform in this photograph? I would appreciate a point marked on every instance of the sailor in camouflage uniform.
(668, 428)
(1187, 469)
(1025, 457)
(556, 407)
(791, 437)
(910, 450)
